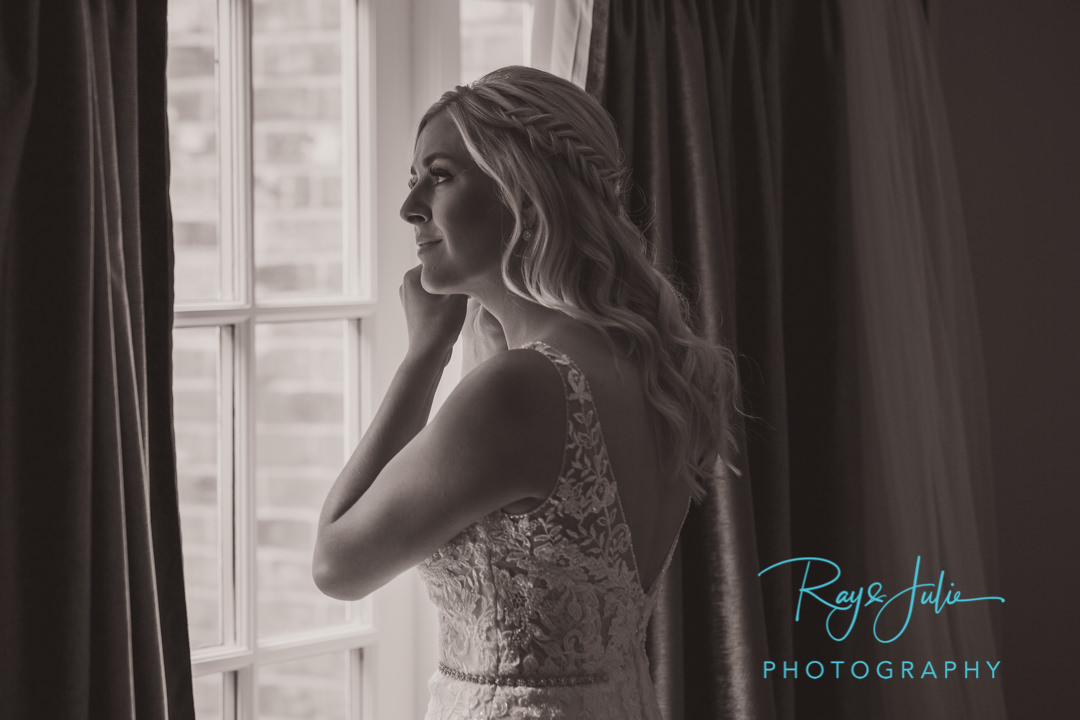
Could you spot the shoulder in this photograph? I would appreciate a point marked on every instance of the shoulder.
(521, 390)
(522, 371)
(507, 421)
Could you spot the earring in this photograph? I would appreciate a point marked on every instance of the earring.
(526, 235)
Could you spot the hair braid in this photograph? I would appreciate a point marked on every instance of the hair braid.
(587, 259)
(549, 134)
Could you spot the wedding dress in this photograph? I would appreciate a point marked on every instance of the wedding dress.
(542, 614)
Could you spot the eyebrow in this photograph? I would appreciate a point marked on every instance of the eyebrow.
(437, 155)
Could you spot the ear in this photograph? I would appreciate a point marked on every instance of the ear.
(528, 213)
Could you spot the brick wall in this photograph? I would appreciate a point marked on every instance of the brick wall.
(297, 147)
(299, 380)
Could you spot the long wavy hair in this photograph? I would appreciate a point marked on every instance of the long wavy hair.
(553, 152)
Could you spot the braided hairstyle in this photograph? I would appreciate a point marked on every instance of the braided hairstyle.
(553, 152)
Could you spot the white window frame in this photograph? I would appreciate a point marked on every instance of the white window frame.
(379, 115)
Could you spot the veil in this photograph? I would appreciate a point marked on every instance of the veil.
(922, 401)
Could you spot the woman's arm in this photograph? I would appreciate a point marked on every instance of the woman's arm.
(409, 488)
(434, 323)
(403, 413)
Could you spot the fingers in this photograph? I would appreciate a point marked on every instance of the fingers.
(410, 283)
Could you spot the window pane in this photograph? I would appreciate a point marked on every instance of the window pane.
(300, 450)
(193, 148)
(315, 688)
(296, 62)
(195, 395)
(209, 697)
(492, 36)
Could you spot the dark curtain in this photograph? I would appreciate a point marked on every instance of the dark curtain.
(91, 581)
(794, 175)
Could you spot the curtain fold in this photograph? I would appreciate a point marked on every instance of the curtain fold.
(683, 80)
(91, 578)
(795, 175)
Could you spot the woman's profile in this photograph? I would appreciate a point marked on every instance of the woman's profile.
(544, 499)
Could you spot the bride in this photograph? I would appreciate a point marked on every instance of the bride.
(544, 500)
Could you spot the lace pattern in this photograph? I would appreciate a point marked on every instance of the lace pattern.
(529, 602)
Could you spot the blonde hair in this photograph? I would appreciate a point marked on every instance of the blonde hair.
(553, 152)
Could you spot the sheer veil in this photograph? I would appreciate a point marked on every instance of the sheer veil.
(922, 400)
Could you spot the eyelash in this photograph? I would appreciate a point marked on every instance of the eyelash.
(439, 174)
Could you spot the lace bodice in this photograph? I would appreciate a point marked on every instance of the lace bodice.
(542, 614)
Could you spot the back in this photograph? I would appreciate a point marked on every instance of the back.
(546, 609)
(654, 506)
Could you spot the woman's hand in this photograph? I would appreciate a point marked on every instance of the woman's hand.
(434, 321)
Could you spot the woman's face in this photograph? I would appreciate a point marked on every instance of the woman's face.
(455, 209)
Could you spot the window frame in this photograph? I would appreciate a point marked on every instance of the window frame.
(377, 120)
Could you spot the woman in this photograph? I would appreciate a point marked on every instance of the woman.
(540, 532)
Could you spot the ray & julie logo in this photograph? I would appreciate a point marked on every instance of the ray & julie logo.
(890, 619)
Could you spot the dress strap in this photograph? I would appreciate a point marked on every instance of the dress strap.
(575, 385)
(558, 358)
(579, 395)
(569, 373)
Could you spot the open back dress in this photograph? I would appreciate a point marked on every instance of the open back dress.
(542, 614)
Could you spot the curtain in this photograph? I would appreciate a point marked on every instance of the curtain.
(559, 42)
(795, 176)
(91, 581)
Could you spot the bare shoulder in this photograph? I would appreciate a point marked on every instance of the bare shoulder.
(513, 378)
(512, 387)
(511, 409)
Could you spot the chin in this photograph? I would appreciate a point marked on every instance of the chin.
(435, 282)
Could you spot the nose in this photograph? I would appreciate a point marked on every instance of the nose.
(414, 210)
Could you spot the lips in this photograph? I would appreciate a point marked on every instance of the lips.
(424, 244)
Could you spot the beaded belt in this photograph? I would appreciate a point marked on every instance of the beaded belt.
(516, 681)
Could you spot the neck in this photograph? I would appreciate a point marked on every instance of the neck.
(522, 320)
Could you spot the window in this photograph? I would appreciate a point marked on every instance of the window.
(274, 287)
(494, 33)
(290, 133)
